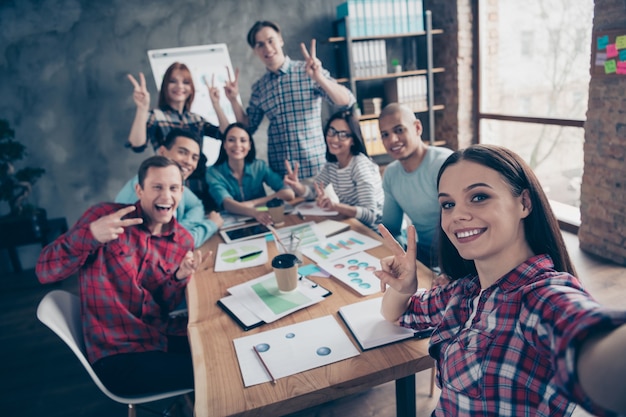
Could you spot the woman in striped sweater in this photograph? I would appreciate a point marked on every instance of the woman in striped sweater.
(354, 176)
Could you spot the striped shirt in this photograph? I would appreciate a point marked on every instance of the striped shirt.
(517, 356)
(127, 285)
(358, 185)
(292, 102)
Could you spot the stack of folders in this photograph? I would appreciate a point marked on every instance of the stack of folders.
(381, 17)
(371, 137)
(370, 329)
(410, 91)
(369, 58)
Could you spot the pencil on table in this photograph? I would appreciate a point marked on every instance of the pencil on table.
(267, 369)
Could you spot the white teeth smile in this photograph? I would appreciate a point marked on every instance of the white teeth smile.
(468, 233)
(163, 207)
(395, 148)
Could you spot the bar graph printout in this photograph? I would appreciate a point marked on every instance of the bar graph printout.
(338, 246)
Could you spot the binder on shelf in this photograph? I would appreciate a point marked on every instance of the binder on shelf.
(415, 15)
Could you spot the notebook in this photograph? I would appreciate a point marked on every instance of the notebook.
(369, 327)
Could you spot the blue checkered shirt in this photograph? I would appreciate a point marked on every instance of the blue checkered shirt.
(292, 102)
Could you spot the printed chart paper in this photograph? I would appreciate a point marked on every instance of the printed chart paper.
(296, 237)
(338, 246)
(292, 349)
(238, 255)
(356, 271)
(265, 300)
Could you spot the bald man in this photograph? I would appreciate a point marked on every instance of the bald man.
(410, 181)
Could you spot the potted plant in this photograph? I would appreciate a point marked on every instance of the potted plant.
(25, 222)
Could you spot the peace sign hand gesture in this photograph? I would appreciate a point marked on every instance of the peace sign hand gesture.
(399, 270)
(322, 199)
(141, 96)
(214, 92)
(313, 65)
(110, 227)
(189, 265)
(291, 178)
(231, 88)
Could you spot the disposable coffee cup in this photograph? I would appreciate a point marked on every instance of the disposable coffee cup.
(276, 208)
(286, 271)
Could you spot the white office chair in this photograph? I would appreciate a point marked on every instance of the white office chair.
(60, 311)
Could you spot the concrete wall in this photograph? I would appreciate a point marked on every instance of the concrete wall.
(63, 88)
(63, 66)
(603, 199)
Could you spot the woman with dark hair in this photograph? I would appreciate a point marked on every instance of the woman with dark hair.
(354, 177)
(236, 179)
(515, 331)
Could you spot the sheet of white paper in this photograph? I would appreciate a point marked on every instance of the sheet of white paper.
(310, 208)
(211, 149)
(262, 297)
(331, 194)
(340, 245)
(292, 349)
(356, 271)
(238, 255)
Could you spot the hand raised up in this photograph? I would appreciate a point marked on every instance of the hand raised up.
(189, 265)
(141, 96)
(399, 270)
(110, 227)
(313, 65)
(231, 88)
(214, 92)
(323, 200)
(291, 178)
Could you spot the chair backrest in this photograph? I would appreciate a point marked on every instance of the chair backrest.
(60, 311)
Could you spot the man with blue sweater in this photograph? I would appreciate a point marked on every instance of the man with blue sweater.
(410, 182)
(183, 147)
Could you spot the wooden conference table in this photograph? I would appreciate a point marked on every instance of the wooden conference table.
(219, 388)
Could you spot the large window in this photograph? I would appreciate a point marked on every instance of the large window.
(534, 80)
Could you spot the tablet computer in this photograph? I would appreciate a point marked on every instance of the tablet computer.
(244, 232)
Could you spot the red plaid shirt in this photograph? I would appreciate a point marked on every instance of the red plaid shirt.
(517, 356)
(127, 286)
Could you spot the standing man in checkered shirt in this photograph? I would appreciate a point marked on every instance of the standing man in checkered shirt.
(290, 95)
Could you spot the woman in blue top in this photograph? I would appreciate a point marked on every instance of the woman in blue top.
(354, 176)
(236, 180)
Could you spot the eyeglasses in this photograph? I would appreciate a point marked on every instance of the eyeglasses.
(342, 135)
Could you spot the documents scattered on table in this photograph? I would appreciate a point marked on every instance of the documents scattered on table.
(262, 297)
(356, 271)
(369, 327)
(310, 208)
(238, 255)
(292, 349)
(338, 246)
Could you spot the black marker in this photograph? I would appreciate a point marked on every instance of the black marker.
(247, 255)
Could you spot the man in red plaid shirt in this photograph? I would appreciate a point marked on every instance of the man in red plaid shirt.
(133, 264)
